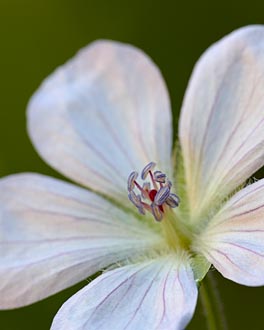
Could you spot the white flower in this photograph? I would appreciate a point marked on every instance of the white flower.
(99, 118)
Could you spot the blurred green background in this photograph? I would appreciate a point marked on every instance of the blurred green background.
(37, 36)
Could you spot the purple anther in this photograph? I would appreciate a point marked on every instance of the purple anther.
(131, 181)
(173, 200)
(156, 212)
(162, 195)
(135, 199)
(159, 177)
(147, 169)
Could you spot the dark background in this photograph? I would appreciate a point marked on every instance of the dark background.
(36, 36)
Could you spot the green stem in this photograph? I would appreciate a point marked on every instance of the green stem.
(211, 303)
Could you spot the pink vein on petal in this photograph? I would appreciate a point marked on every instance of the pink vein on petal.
(143, 298)
(230, 137)
(243, 248)
(112, 291)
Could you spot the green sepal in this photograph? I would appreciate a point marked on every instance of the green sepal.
(200, 266)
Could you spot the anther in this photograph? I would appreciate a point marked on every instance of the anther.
(147, 169)
(159, 177)
(162, 195)
(135, 199)
(168, 184)
(173, 200)
(131, 181)
(156, 212)
(141, 210)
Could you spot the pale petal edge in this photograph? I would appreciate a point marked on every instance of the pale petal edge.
(234, 239)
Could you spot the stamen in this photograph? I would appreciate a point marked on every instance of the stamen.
(135, 199)
(162, 195)
(131, 181)
(141, 210)
(168, 183)
(173, 200)
(147, 169)
(145, 190)
(159, 177)
(156, 212)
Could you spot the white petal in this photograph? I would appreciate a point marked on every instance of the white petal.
(158, 294)
(234, 239)
(102, 115)
(53, 234)
(222, 120)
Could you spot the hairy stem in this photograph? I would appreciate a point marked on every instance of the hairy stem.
(211, 303)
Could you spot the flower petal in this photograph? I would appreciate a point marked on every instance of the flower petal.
(102, 115)
(234, 239)
(222, 120)
(53, 235)
(159, 294)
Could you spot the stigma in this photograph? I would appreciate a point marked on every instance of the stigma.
(154, 194)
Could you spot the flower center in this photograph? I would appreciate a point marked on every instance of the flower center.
(154, 195)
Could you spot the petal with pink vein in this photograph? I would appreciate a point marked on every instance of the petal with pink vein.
(102, 115)
(158, 294)
(53, 235)
(234, 239)
(222, 122)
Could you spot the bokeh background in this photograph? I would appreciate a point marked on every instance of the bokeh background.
(38, 35)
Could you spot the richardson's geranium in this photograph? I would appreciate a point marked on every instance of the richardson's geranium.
(100, 119)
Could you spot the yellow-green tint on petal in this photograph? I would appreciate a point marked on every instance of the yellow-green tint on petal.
(176, 234)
